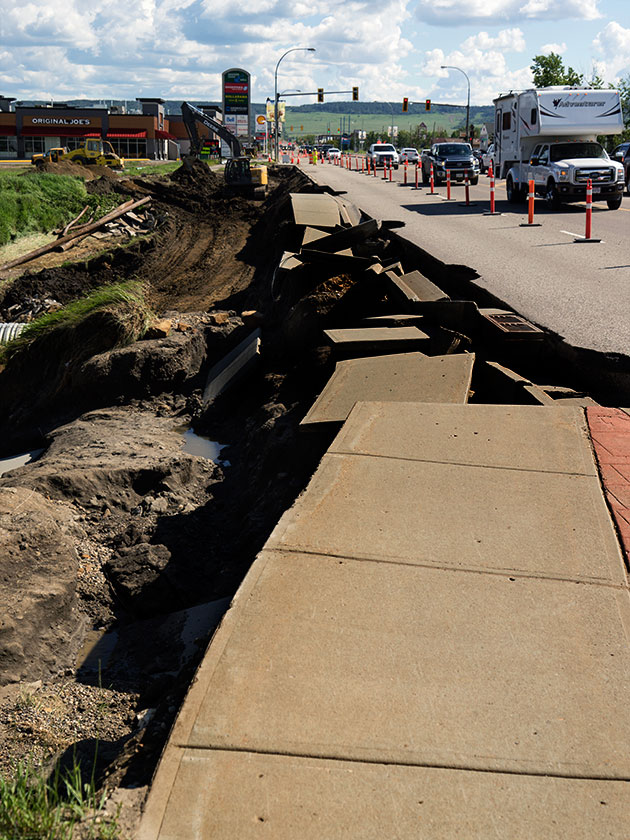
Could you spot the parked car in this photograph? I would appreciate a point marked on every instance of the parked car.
(455, 157)
(626, 169)
(487, 158)
(333, 153)
(479, 158)
(619, 152)
(383, 154)
(409, 156)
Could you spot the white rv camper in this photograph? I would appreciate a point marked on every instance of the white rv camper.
(550, 136)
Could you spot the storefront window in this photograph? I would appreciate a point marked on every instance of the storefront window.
(34, 146)
(127, 147)
(8, 146)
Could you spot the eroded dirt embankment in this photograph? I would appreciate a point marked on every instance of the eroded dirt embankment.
(116, 529)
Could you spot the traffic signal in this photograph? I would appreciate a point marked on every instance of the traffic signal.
(427, 105)
(355, 94)
(320, 94)
(405, 105)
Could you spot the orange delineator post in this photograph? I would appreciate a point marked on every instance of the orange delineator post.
(390, 170)
(467, 188)
(362, 165)
(384, 170)
(530, 203)
(492, 193)
(490, 172)
(432, 181)
(448, 184)
(405, 181)
(374, 167)
(416, 185)
(589, 208)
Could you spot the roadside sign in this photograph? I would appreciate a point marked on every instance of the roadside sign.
(260, 119)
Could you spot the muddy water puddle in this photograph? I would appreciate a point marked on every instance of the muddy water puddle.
(194, 444)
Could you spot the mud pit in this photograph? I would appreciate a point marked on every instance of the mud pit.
(122, 539)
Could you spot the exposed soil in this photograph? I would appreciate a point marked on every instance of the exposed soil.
(115, 529)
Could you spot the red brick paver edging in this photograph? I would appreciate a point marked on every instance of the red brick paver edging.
(610, 433)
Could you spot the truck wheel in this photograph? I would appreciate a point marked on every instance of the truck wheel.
(80, 160)
(614, 203)
(628, 185)
(474, 181)
(515, 195)
(425, 177)
(551, 196)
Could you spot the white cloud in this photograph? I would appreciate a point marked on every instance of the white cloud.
(456, 13)
(613, 43)
(507, 39)
(559, 49)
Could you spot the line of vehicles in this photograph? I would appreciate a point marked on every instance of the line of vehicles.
(548, 136)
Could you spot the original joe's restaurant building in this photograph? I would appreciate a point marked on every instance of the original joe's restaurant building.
(28, 130)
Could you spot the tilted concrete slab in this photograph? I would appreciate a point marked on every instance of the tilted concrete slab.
(406, 320)
(398, 377)
(521, 437)
(340, 658)
(224, 795)
(363, 341)
(315, 210)
(414, 287)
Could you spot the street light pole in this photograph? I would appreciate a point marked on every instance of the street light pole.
(275, 92)
(450, 67)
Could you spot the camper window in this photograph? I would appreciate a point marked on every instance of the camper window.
(533, 117)
(507, 121)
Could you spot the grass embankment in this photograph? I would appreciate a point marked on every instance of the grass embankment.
(39, 202)
(33, 807)
(126, 317)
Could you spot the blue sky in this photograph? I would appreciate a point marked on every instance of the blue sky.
(177, 49)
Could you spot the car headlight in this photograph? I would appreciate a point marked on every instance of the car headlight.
(563, 175)
(620, 175)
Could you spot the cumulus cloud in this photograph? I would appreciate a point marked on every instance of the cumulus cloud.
(613, 43)
(456, 13)
(559, 49)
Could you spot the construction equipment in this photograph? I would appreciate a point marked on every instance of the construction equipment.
(239, 175)
(51, 156)
(97, 151)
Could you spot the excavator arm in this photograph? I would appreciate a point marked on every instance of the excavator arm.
(191, 116)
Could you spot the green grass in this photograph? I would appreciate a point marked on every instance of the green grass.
(35, 808)
(38, 202)
(145, 169)
(126, 300)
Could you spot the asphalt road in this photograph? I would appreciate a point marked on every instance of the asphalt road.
(579, 291)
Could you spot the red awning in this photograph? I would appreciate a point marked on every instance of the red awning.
(120, 135)
(164, 135)
(7, 130)
(58, 131)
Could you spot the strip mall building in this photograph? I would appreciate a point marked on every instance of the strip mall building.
(26, 131)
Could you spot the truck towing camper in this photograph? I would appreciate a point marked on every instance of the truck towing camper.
(550, 136)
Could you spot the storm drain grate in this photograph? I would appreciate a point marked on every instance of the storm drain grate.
(513, 324)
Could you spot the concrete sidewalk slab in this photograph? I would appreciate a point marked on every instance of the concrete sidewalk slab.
(343, 659)
(453, 516)
(524, 437)
(392, 377)
(228, 796)
(363, 341)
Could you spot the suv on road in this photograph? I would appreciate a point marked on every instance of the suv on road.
(409, 156)
(455, 157)
(488, 158)
(383, 154)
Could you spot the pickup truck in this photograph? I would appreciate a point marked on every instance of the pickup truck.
(383, 154)
(456, 157)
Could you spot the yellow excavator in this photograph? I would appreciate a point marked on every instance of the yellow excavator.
(240, 176)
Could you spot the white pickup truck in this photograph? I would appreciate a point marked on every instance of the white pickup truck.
(383, 154)
(550, 136)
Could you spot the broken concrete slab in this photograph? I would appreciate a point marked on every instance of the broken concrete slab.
(340, 262)
(401, 377)
(234, 365)
(349, 212)
(414, 287)
(312, 235)
(379, 268)
(368, 341)
(335, 242)
(337, 658)
(315, 210)
(222, 795)
(289, 261)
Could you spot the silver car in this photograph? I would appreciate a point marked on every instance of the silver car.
(409, 156)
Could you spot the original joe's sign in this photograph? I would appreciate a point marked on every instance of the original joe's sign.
(236, 99)
(62, 121)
